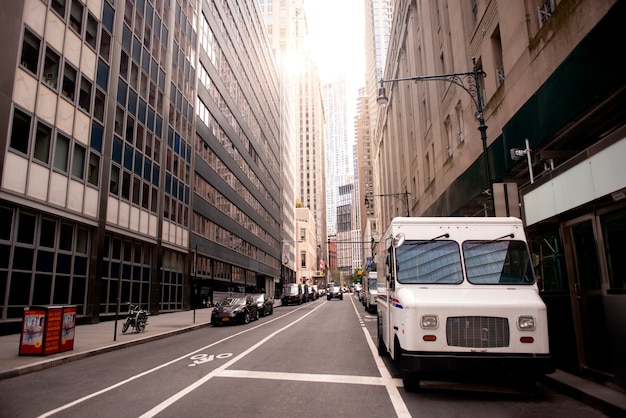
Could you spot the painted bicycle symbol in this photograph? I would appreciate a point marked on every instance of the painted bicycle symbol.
(205, 358)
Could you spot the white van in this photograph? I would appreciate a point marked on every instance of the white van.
(458, 298)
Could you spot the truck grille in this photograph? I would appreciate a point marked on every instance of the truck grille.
(477, 331)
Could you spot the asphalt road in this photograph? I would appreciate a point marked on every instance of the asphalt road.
(314, 360)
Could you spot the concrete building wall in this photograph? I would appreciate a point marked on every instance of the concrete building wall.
(546, 82)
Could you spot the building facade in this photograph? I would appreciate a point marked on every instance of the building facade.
(307, 247)
(138, 156)
(548, 92)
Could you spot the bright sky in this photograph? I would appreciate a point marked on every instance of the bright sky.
(336, 28)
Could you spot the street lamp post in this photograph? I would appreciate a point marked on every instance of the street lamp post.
(403, 197)
(468, 81)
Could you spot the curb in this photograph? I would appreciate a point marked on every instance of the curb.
(68, 358)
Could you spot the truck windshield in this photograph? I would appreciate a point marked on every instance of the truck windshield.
(429, 262)
(498, 262)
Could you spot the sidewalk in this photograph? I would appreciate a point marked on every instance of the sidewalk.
(98, 338)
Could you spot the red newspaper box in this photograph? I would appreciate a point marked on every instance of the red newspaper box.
(68, 327)
(41, 330)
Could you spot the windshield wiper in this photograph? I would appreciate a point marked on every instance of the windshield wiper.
(417, 244)
(478, 244)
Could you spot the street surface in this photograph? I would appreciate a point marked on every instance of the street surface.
(318, 359)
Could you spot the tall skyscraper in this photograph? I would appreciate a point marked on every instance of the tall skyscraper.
(378, 15)
(281, 20)
(363, 161)
(338, 147)
(287, 25)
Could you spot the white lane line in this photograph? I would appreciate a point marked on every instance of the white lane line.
(177, 396)
(392, 388)
(142, 374)
(310, 377)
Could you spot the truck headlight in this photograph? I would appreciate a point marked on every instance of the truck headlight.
(430, 322)
(526, 323)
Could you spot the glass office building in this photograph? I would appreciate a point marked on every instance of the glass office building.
(138, 155)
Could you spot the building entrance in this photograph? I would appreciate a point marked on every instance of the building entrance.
(582, 238)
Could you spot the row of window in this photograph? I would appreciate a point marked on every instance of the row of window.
(214, 162)
(213, 232)
(42, 261)
(48, 146)
(70, 83)
(81, 20)
(128, 263)
(242, 63)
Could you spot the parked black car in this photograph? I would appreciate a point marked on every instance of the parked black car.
(241, 309)
(264, 304)
(334, 292)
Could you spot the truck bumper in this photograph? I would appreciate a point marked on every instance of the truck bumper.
(477, 363)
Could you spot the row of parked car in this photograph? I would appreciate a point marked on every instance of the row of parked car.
(242, 309)
(297, 294)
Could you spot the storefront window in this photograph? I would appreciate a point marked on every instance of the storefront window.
(549, 262)
(614, 233)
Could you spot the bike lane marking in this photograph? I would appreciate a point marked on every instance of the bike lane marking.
(154, 369)
(216, 372)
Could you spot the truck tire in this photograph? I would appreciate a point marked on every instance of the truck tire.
(410, 379)
(382, 350)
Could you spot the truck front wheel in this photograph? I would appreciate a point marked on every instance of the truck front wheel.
(382, 350)
(410, 379)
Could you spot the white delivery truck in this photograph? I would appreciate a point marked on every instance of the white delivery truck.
(370, 292)
(457, 298)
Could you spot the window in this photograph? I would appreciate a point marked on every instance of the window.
(498, 262)
(30, 52)
(51, 68)
(42, 143)
(302, 234)
(93, 173)
(61, 152)
(303, 259)
(496, 44)
(114, 185)
(47, 236)
(66, 237)
(20, 131)
(69, 82)
(78, 162)
(126, 185)
(91, 32)
(105, 44)
(76, 16)
(429, 262)
(99, 103)
(59, 7)
(613, 230)
(84, 98)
